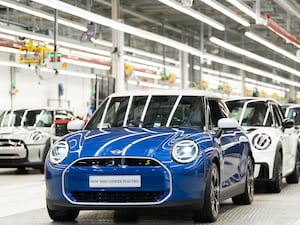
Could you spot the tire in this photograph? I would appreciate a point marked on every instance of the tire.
(246, 198)
(63, 215)
(276, 185)
(293, 178)
(45, 152)
(210, 210)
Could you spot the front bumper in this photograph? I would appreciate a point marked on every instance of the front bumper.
(161, 185)
(264, 164)
(15, 153)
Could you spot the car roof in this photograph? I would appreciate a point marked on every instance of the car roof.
(168, 92)
(252, 99)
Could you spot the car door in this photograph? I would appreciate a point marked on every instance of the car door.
(289, 141)
(231, 148)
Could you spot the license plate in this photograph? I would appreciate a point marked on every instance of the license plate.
(123, 181)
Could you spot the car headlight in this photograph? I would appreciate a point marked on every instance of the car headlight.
(185, 151)
(59, 152)
(261, 141)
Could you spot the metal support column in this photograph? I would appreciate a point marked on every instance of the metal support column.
(243, 86)
(184, 70)
(117, 51)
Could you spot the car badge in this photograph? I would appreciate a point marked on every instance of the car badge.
(116, 152)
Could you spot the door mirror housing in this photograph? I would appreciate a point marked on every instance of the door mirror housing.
(75, 125)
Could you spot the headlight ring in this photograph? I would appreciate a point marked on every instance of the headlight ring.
(185, 151)
(59, 152)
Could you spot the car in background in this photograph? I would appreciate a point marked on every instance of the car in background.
(292, 111)
(26, 135)
(274, 140)
(151, 149)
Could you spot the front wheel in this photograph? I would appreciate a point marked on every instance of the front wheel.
(293, 178)
(246, 198)
(210, 210)
(276, 185)
(63, 215)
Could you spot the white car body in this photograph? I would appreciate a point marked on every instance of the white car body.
(27, 134)
(271, 137)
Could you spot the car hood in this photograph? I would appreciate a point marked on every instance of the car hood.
(129, 142)
(27, 134)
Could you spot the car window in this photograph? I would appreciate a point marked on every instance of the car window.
(45, 119)
(31, 117)
(136, 111)
(116, 112)
(294, 113)
(277, 115)
(150, 111)
(94, 122)
(158, 111)
(217, 111)
(12, 118)
(189, 113)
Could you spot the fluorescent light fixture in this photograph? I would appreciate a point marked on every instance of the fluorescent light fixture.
(67, 8)
(9, 50)
(146, 75)
(193, 13)
(26, 9)
(72, 52)
(86, 64)
(251, 69)
(146, 84)
(150, 55)
(7, 37)
(43, 69)
(229, 13)
(253, 56)
(41, 14)
(271, 46)
(147, 62)
(243, 7)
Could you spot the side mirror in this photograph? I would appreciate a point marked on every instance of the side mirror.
(75, 125)
(227, 123)
(288, 123)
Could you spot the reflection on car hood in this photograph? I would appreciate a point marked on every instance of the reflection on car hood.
(133, 142)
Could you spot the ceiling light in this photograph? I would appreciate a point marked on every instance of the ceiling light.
(222, 9)
(243, 7)
(67, 8)
(253, 56)
(251, 69)
(27, 9)
(271, 46)
(193, 13)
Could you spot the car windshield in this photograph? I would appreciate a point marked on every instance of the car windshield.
(11, 118)
(32, 117)
(294, 113)
(249, 112)
(149, 111)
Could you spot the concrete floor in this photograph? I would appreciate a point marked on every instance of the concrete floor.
(22, 202)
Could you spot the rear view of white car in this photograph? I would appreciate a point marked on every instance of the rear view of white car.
(274, 140)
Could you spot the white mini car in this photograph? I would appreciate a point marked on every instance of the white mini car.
(26, 135)
(274, 140)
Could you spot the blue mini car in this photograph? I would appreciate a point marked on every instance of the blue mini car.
(151, 149)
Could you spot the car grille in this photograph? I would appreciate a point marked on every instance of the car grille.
(155, 179)
(116, 162)
(11, 143)
(117, 196)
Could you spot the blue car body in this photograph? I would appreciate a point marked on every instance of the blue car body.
(132, 167)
